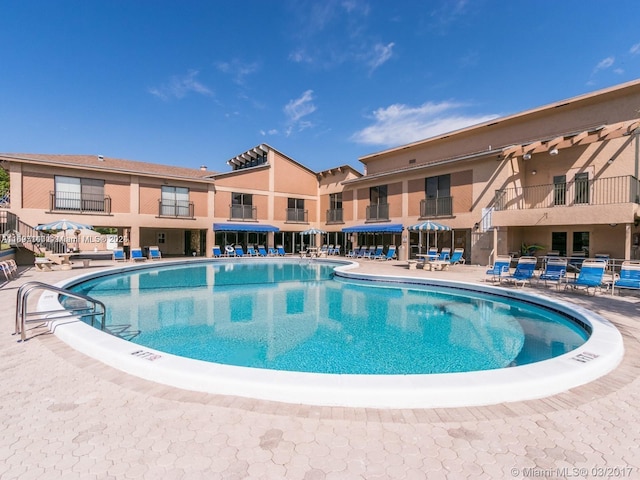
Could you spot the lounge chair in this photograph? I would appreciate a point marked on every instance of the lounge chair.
(251, 251)
(500, 267)
(136, 255)
(591, 275)
(261, 251)
(280, 250)
(239, 251)
(154, 253)
(352, 253)
(217, 253)
(432, 254)
(229, 251)
(118, 255)
(368, 252)
(457, 256)
(629, 276)
(391, 253)
(445, 254)
(324, 249)
(335, 251)
(524, 271)
(6, 270)
(273, 252)
(377, 253)
(554, 271)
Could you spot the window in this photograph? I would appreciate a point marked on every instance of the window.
(334, 214)
(378, 208)
(175, 202)
(295, 210)
(559, 242)
(242, 206)
(437, 196)
(82, 194)
(560, 190)
(581, 185)
(581, 242)
(161, 238)
(378, 195)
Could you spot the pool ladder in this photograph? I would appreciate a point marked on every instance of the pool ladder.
(90, 307)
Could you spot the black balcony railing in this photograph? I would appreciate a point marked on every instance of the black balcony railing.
(436, 207)
(334, 215)
(177, 209)
(602, 191)
(379, 211)
(80, 203)
(242, 212)
(297, 215)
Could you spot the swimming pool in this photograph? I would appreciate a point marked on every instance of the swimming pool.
(287, 312)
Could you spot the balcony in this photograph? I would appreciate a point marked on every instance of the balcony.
(297, 215)
(436, 207)
(378, 212)
(335, 215)
(79, 203)
(175, 209)
(243, 212)
(602, 191)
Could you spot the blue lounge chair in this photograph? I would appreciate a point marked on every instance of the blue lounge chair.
(524, 271)
(457, 257)
(261, 251)
(137, 256)
(629, 276)
(367, 252)
(273, 252)
(238, 251)
(118, 255)
(555, 271)
(335, 250)
(324, 250)
(445, 254)
(360, 251)
(154, 253)
(280, 250)
(500, 267)
(432, 254)
(377, 253)
(217, 253)
(591, 275)
(391, 253)
(251, 251)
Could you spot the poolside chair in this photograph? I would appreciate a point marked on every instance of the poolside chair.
(239, 251)
(217, 253)
(591, 276)
(457, 257)
(251, 251)
(377, 253)
(445, 254)
(336, 250)
(280, 250)
(154, 253)
(367, 252)
(555, 270)
(272, 252)
(324, 249)
(499, 268)
(629, 276)
(6, 270)
(118, 255)
(262, 251)
(524, 271)
(351, 253)
(229, 251)
(432, 254)
(391, 253)
(137, 256)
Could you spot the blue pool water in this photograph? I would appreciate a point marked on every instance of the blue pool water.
(296, 316)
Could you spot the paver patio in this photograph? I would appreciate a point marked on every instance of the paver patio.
(64, 415)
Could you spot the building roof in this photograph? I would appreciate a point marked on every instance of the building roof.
(615, 89)
(108, 164)
(339, 169)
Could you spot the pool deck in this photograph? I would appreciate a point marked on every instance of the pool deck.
(65, 415)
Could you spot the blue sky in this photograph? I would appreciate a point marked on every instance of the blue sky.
(195, 83)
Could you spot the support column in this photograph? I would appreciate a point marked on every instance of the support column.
(628, 240)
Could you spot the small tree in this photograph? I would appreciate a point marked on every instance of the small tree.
(4, 181)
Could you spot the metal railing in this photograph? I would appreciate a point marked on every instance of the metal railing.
(79, 202)
(16, 233)
(23, 316)
(378, 211)
(601, 191)
(335, 215)
(297, 215)
(178, 209)
(243, 212)
(5, 199)
(436, 207)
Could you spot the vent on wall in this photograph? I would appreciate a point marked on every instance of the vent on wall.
(413, 160)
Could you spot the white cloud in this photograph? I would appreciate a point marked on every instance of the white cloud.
(179, 86)
(297, 109)
(381, 53)
(604, 64)
(399, 124)
(634, 50)
(238, 70)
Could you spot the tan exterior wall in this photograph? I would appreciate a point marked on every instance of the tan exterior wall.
(36, 188)
(149, 197)
(245, 179)
(292, 178)
(347, 205)
(394, 197)
(280, 208)
(199, 199)
(462, 191)
(415, 195)
(261, 202)
(120, 193)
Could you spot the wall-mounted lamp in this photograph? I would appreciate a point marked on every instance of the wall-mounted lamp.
(526, 156)
(534, 172)
(553, 151)
(610, 161)
(476, 226)
(613, 225)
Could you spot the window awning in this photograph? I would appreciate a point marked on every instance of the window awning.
(244, 227)
(375, 228)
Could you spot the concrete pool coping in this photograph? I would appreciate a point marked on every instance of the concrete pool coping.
(598, 356)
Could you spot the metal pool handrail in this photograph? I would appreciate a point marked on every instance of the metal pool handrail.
(23, 316)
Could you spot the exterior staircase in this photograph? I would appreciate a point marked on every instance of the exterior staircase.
(18, 234)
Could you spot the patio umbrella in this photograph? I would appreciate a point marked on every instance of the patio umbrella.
(63, 225)
(312, 231)
(427, 226)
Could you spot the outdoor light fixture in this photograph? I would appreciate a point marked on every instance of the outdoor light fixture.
(534, 172)
(610, 161)
(526, 156)
(553, 151)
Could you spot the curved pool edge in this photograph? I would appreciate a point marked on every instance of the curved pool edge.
(602, 353)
